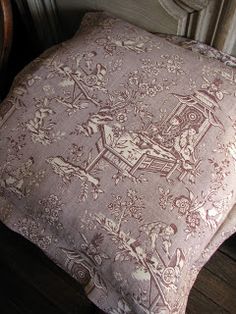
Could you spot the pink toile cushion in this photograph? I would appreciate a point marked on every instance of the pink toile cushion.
(118, 159)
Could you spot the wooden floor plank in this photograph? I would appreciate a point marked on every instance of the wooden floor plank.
(26, 260)
(224, 267)
(198, 303)
(229, 247)
(7, 306)
(25, 298)
(217, 290)
(32, 284)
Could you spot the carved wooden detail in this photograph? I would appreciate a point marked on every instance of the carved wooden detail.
(6, 25)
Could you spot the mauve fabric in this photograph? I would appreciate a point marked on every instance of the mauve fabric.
(118, 159)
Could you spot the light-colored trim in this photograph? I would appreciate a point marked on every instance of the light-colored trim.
(178, 13)
(209, 21)
(225, 37)
(216, 25)
(174, 12)
(181, 10)
(193, 5)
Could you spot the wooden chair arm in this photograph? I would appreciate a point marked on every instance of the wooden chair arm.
(6, 31)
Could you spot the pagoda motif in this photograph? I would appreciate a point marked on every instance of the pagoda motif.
(167, 147)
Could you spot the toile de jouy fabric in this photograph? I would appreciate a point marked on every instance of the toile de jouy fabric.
(118, 159)
(202, 48)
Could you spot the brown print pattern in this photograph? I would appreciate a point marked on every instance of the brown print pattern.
(166, 147)
(157, 268)
(118, 160)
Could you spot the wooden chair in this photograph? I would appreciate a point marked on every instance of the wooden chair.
(6, 31)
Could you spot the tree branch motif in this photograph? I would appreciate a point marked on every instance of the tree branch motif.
(127, 251)
(67, 170)
(161, 274)
(39, 131)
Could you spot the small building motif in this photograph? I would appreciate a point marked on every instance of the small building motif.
(167, 147)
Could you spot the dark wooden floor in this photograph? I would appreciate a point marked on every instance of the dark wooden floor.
(215, 288)
(31, 284)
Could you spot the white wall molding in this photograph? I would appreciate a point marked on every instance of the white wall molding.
(225, 35)
(209, 21)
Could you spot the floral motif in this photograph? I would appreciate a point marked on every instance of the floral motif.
(121, 117)
(16, 144)
(122, 208)
(51, 210)
(166, 198)
(152, 91)
(191, 207)
(220, 172)
(6, 209)
(35, 232)
(76, 152)
(40, 133)
(183, 204)
(172, 64)
(193, 220)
